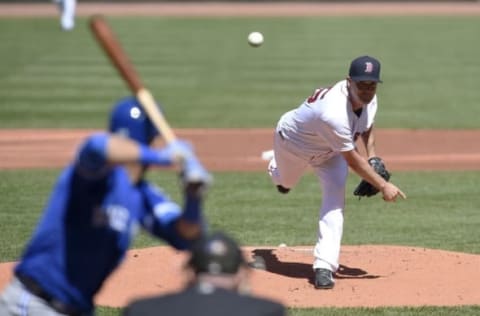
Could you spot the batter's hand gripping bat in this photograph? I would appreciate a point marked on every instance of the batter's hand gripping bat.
(107, 39)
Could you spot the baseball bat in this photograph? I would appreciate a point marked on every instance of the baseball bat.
(110, 44)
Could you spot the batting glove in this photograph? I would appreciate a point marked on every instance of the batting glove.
(193, 172)
(179, 150)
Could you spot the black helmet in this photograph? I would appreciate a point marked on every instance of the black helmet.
(216, 253)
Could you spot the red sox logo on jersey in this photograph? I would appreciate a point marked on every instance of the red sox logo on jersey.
(368, 67)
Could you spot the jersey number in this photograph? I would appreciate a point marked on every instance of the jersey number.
(320, 92)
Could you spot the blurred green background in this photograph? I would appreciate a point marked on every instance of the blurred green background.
(204, 74)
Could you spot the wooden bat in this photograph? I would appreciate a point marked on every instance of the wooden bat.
(108, 41)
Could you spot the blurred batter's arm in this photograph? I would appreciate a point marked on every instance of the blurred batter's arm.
(165, 219)
(101, 150)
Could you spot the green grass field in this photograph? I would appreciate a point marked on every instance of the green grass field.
(434, 216)
(205, 75)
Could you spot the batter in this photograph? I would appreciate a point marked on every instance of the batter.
(98, 205)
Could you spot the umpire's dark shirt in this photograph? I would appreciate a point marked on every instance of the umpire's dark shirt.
(205, 301)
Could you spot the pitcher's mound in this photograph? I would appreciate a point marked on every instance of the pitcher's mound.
(368, 276)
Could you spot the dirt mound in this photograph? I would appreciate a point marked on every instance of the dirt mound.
(368, 276)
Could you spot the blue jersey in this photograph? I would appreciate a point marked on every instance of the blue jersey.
(88, 224)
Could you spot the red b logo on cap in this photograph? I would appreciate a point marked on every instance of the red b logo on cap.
(368, 67)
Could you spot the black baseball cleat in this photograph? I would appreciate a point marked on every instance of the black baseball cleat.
(323, 279)
(282, 189)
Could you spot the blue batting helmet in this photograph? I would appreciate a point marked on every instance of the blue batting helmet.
(129, 119)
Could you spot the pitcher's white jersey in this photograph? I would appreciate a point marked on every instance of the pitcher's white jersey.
(325, 124)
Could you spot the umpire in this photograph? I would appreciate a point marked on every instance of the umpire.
(218, 286)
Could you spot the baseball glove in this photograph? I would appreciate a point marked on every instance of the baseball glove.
(366, 189)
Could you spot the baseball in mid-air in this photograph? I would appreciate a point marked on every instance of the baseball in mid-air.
(255, 39)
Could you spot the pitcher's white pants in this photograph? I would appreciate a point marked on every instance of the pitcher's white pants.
(287, 167)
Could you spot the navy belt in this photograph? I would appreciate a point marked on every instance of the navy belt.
(33, 287)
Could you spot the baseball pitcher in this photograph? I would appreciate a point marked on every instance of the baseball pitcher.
(321, 133)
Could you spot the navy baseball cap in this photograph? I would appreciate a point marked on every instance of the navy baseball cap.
(216, 253)
(365, 68)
